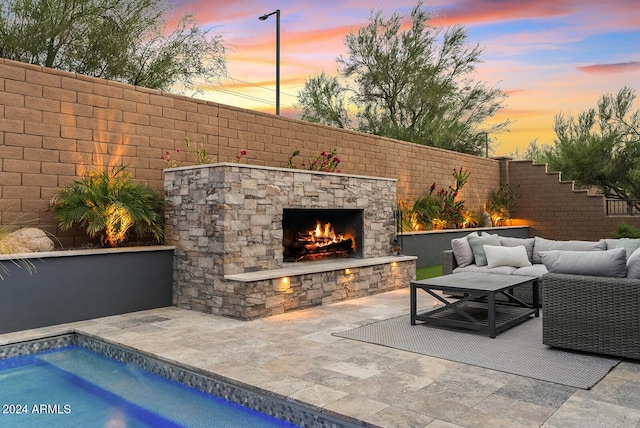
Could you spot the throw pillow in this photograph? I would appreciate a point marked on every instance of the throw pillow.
(506, 256)
(633, 265)
(597, 263)
(507, 241)
(542, 244)
(462, 250)
(478, 242)
(630, 245)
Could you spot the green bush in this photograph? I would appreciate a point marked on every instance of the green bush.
(442, 209)
(110, 205)
(625, 230)
(501, 203)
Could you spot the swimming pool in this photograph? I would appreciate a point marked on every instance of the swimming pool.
(122, 377)
(75, 387)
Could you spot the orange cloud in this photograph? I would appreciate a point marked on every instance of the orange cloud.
(620, 67)
(484, 11)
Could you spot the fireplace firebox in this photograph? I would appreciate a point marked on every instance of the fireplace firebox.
(318, 234)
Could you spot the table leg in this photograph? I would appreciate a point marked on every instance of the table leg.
(536, 297)
(413, 303)
(491, 320)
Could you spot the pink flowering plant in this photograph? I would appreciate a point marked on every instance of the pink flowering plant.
(170, 162)
(442, 209)
(325, 162)
(199, 154)
(239, 156)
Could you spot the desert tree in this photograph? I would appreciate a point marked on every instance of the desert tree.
(409, 80)
(123, 40)
(601, 146)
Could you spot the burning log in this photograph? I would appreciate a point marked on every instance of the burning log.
(318, 243)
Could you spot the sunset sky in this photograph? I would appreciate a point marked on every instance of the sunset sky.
(549, 56)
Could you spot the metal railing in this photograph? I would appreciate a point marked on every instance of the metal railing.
(621, 207)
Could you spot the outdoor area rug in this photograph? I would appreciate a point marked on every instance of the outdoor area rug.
(518, 350)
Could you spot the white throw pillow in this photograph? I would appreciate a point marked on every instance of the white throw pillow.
(507, 241)
(611, 263)
(506, 256)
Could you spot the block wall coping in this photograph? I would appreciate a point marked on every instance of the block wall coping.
(85, 252)
(316, 267)
(273, 168)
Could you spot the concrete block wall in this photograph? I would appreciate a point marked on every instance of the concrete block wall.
(55, 125)
(553, 209)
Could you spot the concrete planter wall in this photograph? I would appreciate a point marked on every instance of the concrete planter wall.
(428, 246)
(78, 285)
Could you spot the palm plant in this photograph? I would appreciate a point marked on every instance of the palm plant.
(110, 205)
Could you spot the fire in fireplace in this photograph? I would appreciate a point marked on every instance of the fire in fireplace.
(317, 234)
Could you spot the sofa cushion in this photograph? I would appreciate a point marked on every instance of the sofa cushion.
(477, 243)
(503, 270)
(633, 265)
(462, 250)
(542, 244)
(536, 270)
(629, 244)
(507, 241)
(597, 263)
(506, 256)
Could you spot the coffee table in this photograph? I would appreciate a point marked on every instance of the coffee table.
(477, 308)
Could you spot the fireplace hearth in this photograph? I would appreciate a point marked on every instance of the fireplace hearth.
(320, 234)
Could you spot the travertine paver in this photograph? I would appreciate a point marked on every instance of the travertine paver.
(295, 355)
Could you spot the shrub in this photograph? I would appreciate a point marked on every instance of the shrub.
(625, 230)
(110, 205)
(325, 161)
(501, 203)
(442, 210)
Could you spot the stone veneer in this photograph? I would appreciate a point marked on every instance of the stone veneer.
(225, 221)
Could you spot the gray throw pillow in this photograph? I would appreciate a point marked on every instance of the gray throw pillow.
(611, 263)
(542, 244)
(507, 241)
(477, 243)
(462, 250)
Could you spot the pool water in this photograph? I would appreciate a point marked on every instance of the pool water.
(74, 387)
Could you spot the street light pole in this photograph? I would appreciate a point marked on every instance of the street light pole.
(262, 18)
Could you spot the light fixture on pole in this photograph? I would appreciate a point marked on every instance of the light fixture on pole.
(262, 18)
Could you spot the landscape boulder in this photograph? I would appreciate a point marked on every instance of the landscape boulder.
(27, 240)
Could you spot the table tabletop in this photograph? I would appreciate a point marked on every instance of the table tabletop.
(473, 281)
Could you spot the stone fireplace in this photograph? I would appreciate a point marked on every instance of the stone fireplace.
(254, 241)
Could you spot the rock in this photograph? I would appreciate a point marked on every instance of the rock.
(27, 240)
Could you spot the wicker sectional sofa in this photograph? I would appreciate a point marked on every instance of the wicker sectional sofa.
(590, 296)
